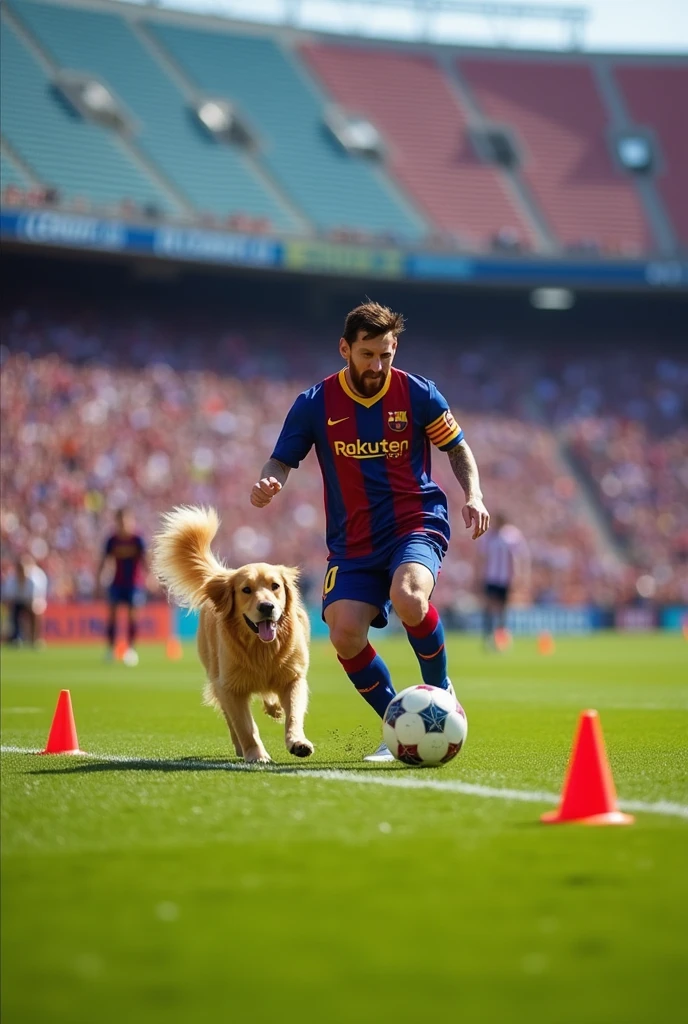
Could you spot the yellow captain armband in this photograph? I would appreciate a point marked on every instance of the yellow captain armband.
(443, 430)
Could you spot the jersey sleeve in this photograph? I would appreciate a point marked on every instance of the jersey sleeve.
(442, 429)
(296, 437)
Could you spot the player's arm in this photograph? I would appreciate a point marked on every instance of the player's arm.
(446, 434)
(295, 441)
(465, 469)
(273, 477)
(106, 557)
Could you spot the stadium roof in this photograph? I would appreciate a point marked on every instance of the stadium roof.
(591, 25)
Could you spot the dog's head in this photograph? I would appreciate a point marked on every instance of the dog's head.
(256, 596)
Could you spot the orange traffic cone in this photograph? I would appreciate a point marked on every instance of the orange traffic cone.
(589, 795)
(545, 643)
(502, 639)
(173, 648)
(62, 738)
(120, 649)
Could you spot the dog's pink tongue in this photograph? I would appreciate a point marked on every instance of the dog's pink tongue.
(267, 631)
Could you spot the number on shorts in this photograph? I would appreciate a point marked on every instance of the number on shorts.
(330, 578)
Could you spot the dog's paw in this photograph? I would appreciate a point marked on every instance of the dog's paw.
(257, 755)
(302, 748)
(274, 709)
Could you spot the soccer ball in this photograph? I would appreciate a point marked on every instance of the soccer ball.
(424, 725)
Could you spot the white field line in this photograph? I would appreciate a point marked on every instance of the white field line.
(370, 778)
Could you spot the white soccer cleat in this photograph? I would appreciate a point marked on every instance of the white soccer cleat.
(450, 688)
(383, 753)
(130, 657)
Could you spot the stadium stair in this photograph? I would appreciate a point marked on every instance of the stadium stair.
(558, 116)
(431, 157)
(81, 159)
(205, 176)
(11, 173)
(656, 96)
(273, 91)
(512, 177)
(645, 186)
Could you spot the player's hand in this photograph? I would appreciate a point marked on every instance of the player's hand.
(476, 515)
(264, 491)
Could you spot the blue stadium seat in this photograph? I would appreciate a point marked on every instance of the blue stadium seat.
(77, 157)
(281, 103)
(10, 174)
(213, 178)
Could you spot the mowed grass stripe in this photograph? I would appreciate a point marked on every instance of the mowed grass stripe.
(663, 807)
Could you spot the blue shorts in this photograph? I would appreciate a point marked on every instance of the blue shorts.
(118, 594)
(363, 579)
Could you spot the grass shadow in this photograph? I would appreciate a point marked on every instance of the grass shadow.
(210, 764)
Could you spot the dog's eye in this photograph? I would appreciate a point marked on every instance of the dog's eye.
(275, 586)
(245, 590)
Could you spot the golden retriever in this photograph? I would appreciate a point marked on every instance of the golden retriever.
(253, 631)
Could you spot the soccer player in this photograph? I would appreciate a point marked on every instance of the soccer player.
(387, 523)
(25, 594)
(127, 550)
(505, 554)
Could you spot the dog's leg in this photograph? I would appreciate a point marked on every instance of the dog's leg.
(237, 710)
(235, 739)
(295, 701)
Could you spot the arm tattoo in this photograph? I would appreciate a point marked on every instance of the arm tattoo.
(280, 470)
(465, 469)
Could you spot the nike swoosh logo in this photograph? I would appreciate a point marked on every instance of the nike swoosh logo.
(333, 423)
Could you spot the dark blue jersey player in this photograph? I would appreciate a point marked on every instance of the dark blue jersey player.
(373, 428)
(126, 551)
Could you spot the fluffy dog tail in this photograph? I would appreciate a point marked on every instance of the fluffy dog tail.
(182, 559)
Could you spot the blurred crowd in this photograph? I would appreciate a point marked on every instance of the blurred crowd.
(588, 456)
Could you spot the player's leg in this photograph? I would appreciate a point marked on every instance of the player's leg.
(130, 657)
(111, 627)
(502, 602)
(16, 616)
(413, 582)
(490, 616)
(349, 622)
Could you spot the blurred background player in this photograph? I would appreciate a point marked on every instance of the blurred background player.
(505, 558)
(127, 551)
(25, 598)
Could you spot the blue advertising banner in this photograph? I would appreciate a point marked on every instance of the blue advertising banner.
(79, 231)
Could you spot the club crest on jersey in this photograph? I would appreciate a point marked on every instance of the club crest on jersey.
(397, 420)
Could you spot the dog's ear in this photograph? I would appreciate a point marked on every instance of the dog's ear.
(290, 576)
(219, 590)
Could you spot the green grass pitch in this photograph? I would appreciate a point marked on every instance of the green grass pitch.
(181, 892)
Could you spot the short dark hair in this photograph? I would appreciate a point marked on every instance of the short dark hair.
(374, 319)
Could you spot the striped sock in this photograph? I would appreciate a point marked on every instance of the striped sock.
(369, 674)
(427, 640)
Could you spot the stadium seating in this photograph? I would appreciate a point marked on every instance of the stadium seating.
(657, 98)
(334, 189)
(410, 101)
(80, 159)
(10, 174)
(211, 177)
(560, 123)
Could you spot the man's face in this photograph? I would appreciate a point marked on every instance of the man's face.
(124, 523)
(369, 360)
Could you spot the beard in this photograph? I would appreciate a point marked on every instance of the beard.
(367, 383)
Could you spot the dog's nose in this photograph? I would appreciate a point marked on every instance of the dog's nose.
(266, 608)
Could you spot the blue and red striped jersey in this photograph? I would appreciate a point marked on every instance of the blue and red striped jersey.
(374, 455)
(127, 553)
